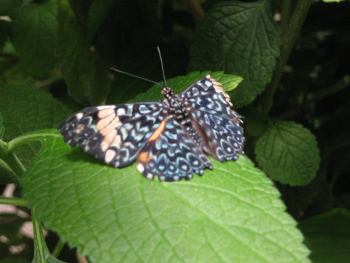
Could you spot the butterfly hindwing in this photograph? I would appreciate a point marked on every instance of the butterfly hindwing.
(224, 136)
(113, 134)
(171, 154)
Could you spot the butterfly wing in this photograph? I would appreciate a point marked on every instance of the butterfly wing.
(114, 134)
(171, 154)
(213, 119)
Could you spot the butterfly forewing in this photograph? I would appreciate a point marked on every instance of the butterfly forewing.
(114, 134)
(207, 95)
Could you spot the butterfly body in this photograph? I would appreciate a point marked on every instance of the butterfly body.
(169, 139)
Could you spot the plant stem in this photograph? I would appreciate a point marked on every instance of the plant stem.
(289, 38)
(11, 159)
(13, 201)
(57, 249)
(286, 7)
(39, 241)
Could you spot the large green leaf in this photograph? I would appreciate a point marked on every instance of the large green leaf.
(288, 153)
(328, 236)
(34, 37)
(230, 214)
(238, 38)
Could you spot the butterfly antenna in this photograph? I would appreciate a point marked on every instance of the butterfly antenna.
(135, 76)
(161, 62)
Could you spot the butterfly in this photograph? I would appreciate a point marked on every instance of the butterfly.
(168, 139)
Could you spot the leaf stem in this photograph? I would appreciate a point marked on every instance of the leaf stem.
(13, 201)
(58, 248)
(38, 237)
(289, 38)
(11, 159)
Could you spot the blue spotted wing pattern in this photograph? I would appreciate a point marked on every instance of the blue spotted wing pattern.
(113, 134)
(171, 153)
(211, 115)
(167, 139)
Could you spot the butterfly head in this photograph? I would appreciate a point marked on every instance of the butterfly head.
(168, 93)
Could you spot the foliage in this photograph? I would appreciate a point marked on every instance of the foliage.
(56, 58)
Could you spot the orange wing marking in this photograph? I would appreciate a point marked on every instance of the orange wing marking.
(158, 131)
(144, 157)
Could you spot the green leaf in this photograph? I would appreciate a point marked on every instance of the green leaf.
(298, 198)
(342, 200)
(288, 153)
(14, 260)
(41, 252)
(5, 29)
(34, 37)
(76, 58)
(230, 214)
(98, 12)
(7, 176)
(25, 109)
(328, 236)
(8, 7)
(238, 38)
(257, 121)
(178, 84)
(2, 128)
(101, 82)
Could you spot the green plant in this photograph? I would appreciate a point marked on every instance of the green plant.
(230, 214)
